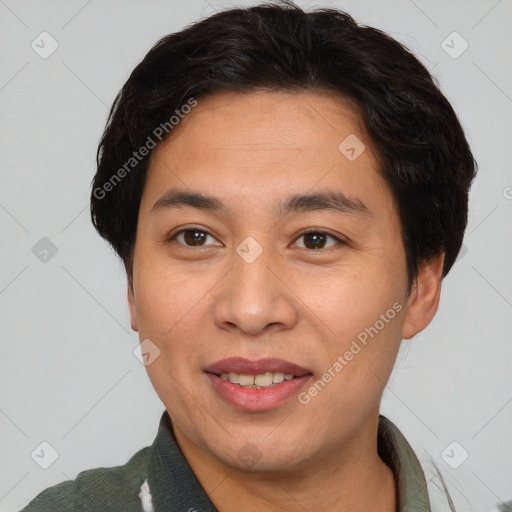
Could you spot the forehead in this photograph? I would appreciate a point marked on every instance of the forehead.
(268, 121)
(269, 143)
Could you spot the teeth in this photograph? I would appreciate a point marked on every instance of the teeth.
(263, 380)
(246, 380)
(233, 377)
(277, 378)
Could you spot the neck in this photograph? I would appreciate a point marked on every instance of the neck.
(348, 478)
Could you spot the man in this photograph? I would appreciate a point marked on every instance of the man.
(286, 191)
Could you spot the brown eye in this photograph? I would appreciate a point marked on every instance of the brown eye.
(317, 239)
(192, 237)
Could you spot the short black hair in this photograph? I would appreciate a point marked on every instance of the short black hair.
(422, 151)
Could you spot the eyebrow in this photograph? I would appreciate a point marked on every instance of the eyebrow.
(321, 200)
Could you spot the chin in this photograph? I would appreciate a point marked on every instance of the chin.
(263, 453)
(252, 460)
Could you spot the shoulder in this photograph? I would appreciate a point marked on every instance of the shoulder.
(101, 489)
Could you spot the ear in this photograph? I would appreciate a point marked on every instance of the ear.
(133, 307)
(424, 297)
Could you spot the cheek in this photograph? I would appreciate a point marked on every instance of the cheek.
(154, 310)
(173, 310)
(169, 312)
(165, 297)
(348, 302)
(364, 317)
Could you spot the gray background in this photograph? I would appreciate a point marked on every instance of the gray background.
(67, 370)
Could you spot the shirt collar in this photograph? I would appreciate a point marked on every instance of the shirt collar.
(396, 452)
(174, 486)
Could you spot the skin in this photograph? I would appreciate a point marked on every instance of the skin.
(202, 303)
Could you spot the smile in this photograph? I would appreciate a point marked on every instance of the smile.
(259, 385)
(262, 380)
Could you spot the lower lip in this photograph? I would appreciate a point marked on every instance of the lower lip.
(252, 399)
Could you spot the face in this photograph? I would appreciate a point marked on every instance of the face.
(295, 256)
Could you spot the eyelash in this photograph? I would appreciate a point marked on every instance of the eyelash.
(315, 231)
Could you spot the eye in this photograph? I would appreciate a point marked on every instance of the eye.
(315, 239)
(192, 237)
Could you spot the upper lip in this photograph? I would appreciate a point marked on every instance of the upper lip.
(247, 367)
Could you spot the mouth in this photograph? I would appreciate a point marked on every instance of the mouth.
(257, 385)
(262, 380)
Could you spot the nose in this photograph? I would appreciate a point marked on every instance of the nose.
(254, 298)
